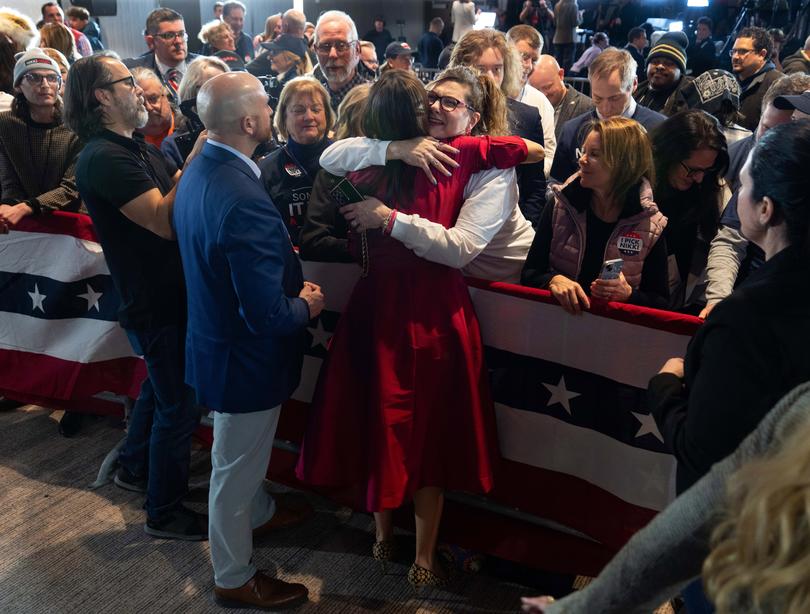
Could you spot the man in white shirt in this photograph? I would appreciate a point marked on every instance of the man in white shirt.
(529, 45)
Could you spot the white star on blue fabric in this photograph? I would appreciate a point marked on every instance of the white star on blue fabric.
(92, 297)
(37, 299)
(559, 394)
(648, 426)
(319, 335)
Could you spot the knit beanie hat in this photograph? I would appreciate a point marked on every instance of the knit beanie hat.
(672, 46)
(33, 59)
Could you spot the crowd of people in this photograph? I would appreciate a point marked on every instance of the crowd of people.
(675, 185)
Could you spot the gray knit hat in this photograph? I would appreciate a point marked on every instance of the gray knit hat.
(33, 59)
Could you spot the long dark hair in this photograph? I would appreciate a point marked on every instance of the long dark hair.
(779, 170)
(673, 141)
(396, 110)
(83, 113)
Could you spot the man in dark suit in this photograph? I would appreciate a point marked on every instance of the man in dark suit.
(168, 55)
(613, 80)
(248, 310)
(636, 44)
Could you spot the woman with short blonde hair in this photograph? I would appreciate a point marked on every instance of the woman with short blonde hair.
(218, 35)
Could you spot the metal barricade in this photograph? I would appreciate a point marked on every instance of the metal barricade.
(581, 84)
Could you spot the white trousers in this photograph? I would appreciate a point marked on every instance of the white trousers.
(237, 502)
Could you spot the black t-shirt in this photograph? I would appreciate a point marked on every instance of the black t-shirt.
(113, 170)
(596, 238)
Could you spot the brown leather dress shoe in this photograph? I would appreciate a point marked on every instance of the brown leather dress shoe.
(289, 514)
(262, 592)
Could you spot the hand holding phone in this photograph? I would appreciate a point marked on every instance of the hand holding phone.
(611, 269)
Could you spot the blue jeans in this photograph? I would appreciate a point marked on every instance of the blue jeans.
(158, 445)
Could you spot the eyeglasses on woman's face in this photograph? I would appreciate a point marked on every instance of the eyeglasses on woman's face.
(692, 172)
(447, 103)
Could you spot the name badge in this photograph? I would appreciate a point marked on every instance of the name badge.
(293, 170)
(630, 244)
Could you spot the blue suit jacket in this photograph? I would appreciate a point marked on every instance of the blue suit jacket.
(246, 327)
(574, 133)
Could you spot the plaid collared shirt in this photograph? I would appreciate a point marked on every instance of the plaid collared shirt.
(336, 97)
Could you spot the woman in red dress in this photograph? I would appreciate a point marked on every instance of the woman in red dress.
(402, 407)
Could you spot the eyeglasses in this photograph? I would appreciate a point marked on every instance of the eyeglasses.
(170, 36)
(339, 47)
(36, 79)
(129, 80)
(740, 52)
(691, 172)
(447, 103)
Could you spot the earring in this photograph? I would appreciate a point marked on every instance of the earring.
(468, 131)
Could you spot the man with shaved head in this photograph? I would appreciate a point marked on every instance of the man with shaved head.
(293, 22)
(248, 308)
(567, 101)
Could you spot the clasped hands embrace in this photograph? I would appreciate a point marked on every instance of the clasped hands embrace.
(427, 153)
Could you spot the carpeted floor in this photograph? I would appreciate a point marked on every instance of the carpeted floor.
(65, 548)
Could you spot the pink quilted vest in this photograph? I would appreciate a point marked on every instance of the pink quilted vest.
(631, 240)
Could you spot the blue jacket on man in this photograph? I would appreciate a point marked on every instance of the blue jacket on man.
(573, 135)
(246, 325)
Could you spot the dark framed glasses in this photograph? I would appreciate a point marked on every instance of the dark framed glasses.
(129, 80)
(36, 79)
(447, 103)
(691, 172)
(170, 36)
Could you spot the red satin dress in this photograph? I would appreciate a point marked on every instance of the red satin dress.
(403, 400)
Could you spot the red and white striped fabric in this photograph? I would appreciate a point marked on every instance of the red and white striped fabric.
(60, 341)
(579, 449)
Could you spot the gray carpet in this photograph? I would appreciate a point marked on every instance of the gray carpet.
(64, 548)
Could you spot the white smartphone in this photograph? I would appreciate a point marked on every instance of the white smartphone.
(611, 269)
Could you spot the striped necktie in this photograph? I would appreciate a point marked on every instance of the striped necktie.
(173, 79)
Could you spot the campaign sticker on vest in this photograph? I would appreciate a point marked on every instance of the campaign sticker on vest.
(630, 244)
(293, 170)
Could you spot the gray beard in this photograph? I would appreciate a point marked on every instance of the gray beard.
(136, 114)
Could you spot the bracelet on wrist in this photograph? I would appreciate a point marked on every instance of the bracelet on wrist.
(388, 222)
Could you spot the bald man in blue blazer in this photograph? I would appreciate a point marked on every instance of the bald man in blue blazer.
(248, 309)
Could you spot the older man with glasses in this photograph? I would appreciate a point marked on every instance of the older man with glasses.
(338, 50)
(129, 188)
(168, 55)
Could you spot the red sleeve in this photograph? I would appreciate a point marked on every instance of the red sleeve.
(485, 152)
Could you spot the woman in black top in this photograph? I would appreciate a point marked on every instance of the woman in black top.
(691, 157)
(303, 119)
(753, 347)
